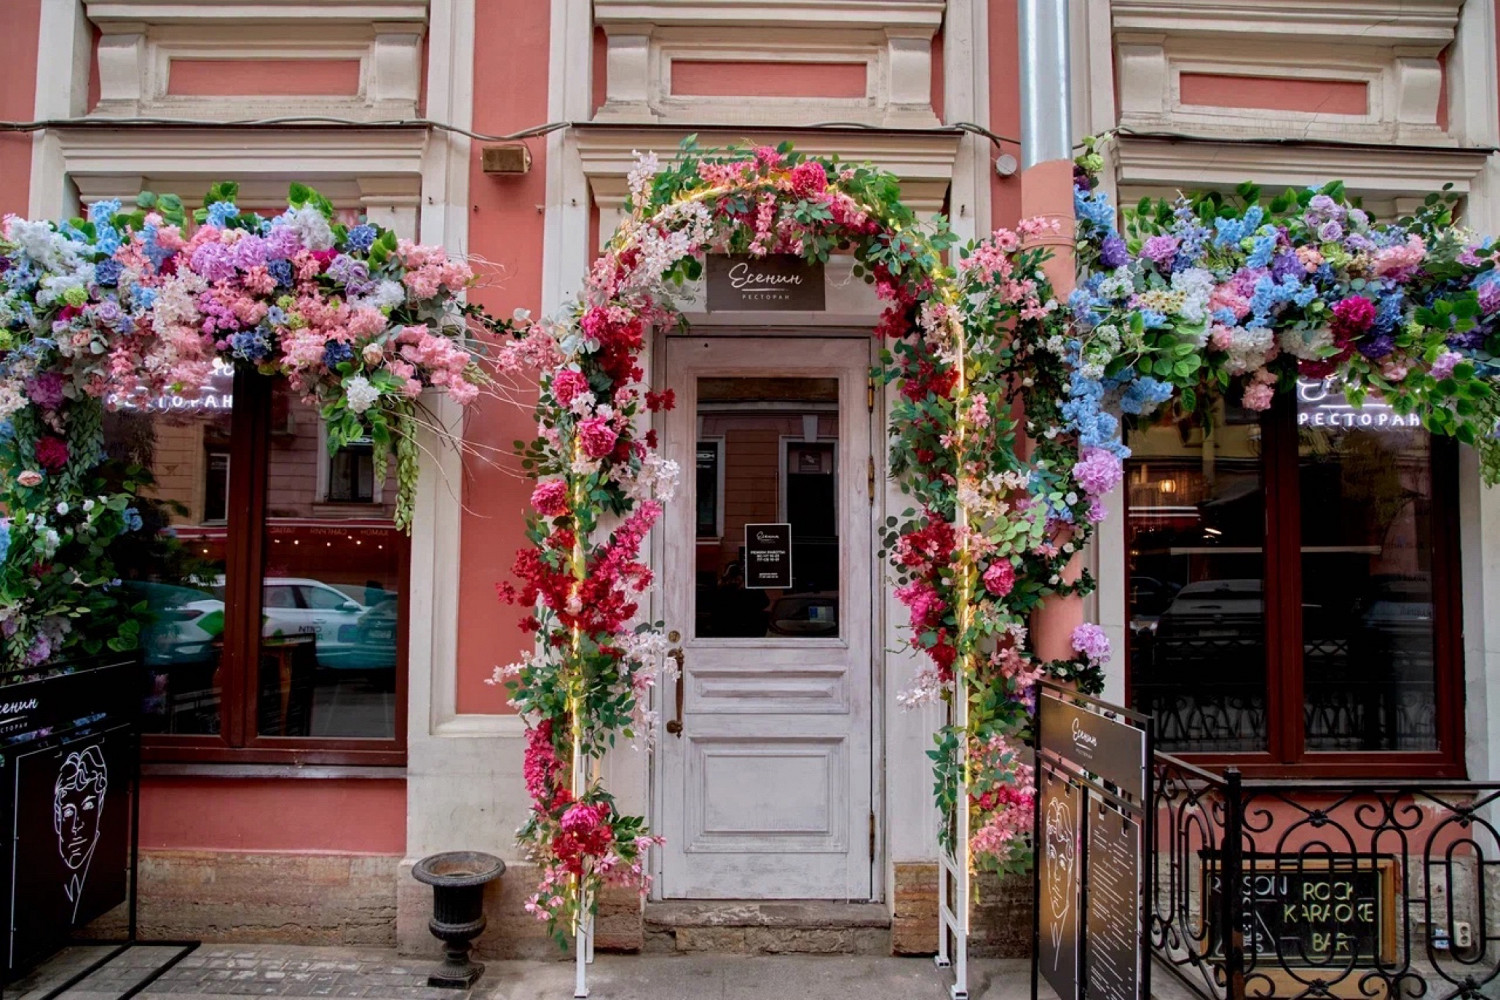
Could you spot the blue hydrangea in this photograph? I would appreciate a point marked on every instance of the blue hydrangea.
(276, 316)
(1094, 208)
(100, 212)
(281, 270)
(1224, 315)
(1144, 395)
(251, 345)
(1260, 253)
(107, 272)
(4, 537)
(154, 250)
(360, 238)
(1229, 232)
(142, 297)
(1154, 320)
(133, 520)
(337, 352)
(220, 213)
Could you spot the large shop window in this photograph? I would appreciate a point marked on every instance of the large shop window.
(1293, 588)
(274, 577)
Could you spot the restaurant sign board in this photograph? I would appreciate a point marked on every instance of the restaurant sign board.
(773, 283)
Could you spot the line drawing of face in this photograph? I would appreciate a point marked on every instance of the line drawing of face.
(1061, 854)
(77, 806)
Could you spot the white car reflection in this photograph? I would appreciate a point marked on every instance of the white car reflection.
(303, 606)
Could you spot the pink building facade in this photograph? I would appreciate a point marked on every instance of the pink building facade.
(289, 790)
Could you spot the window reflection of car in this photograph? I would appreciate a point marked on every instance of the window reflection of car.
(374, 646)
(1149, 597)
(185, 623)
(812, 615)
(1219, 614)
(296, 606)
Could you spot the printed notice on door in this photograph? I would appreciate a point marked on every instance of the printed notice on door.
(768, 557)
(1112, 957)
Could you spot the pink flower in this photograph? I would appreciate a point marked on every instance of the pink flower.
(30, 478)
(1401, 261)
(597, 437)
(550, 498)
(1258, 396)
(807, 178)
(567, 384)
(1000, 578)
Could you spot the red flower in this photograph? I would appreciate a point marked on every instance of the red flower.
(567, 384)
(51, 453)
(661, 400)
(808, 178)
(1351, 319)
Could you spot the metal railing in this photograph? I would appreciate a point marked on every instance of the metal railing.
(1369, 889)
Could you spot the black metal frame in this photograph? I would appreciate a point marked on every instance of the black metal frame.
(1431, 851)
(1091, 788)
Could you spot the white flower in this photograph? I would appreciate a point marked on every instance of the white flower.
(311, 226)
(62, 507)
(88, 505)
(360, 393)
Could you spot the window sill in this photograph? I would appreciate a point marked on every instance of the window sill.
(162, 769)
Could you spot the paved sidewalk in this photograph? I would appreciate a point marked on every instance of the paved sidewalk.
(215, 971)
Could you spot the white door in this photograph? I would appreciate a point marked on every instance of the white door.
(764, 769)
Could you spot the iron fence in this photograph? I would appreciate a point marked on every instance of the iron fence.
(1298, 889)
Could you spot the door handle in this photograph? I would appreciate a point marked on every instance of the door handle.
(674, 725)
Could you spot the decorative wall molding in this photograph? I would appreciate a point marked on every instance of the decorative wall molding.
(892, 40)
(376, 171)
(923, 160)
(140, 39)
(1390, 179)
(1391, 47)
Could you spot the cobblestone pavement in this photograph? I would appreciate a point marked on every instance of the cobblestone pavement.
(215, 971)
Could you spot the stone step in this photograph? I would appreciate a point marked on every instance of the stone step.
(768, 927)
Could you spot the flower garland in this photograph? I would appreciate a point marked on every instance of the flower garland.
(1208, 295)
(134, 305)
(998, 516)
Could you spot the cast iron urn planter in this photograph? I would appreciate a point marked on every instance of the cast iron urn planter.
(458, 879)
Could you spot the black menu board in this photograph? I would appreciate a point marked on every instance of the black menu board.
(1112, 958)
(1059, 867)
(768, 556)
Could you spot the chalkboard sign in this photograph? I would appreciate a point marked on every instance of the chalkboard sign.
(68, 745)
(1059, 871)
(1112, 960)
(69, 840)
(776, 282)
(768, 557)
(1315, 911)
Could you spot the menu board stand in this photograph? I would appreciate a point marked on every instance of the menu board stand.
(1093, 834)
(70, 780)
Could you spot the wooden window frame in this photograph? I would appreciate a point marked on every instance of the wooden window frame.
(1286, 754)
(238, 740)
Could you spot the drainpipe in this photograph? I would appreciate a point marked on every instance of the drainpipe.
(1047, 192)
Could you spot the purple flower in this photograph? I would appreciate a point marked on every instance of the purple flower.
(248, 252)
(46, 390)
(1377, 347)
(1098, 472)
(1090, 640)
(1113, 253)
(213, 261)
(1330, 232)
(1161, 249)
(1287, 265)
(1489, 297)
(1445, 363)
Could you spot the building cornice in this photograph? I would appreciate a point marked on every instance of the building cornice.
(804, 14)
(1350, 22)
(168, 12)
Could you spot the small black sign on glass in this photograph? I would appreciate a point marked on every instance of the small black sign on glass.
(768, 557)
